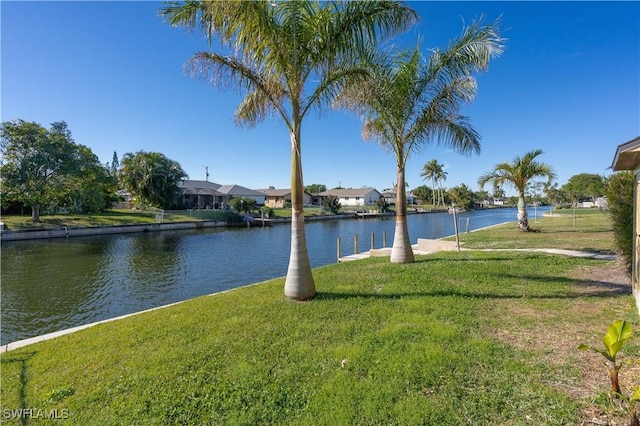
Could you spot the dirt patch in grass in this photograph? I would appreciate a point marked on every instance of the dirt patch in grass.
(558, 328)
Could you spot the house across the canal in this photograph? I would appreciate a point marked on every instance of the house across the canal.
(354, 197)
(201, 194)
(278, 198)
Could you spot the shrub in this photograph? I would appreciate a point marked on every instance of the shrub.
(620, 198)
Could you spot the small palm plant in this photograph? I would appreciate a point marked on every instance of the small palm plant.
(617, 335)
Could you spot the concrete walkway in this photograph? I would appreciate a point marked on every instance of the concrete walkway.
(418, 251)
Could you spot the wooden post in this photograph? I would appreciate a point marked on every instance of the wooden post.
(455, 226)
(339, 249)
(373, 241)
(355, 244)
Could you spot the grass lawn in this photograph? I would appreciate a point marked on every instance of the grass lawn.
(482, 338)
(588, 230)
(107, 218)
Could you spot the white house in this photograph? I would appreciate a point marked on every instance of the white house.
(354, 197)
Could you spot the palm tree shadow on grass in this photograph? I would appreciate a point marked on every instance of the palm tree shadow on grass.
(608, 290)
(575, 288)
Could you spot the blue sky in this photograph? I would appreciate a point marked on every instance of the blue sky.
(568, 83)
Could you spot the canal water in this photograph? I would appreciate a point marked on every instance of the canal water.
(50, 285)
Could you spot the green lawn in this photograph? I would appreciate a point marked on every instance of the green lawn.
(482, 338)
(107, 218)
(588, 230)
(115, 217)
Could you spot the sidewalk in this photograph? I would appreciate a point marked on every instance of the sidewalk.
(572, 253)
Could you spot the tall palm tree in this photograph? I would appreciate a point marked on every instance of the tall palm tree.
(409, 102)
(518, 173)
(441, 176)
(290, 57)
(430, 171)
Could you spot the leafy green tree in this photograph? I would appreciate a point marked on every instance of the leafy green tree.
(382, 204)
(37, 163)
(408, 103)
(518, 173)
(92, 189)
(151, 178)
(553, 194)
(315, 188)
(243, 204)
(463, 196)
(267, 211)
(585, 185)
(620, 199)
(423, 193)
(332, 203)
(290, 57)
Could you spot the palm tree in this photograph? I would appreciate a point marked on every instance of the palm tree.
(430, 171)
(518, 173)
(441, 176)
(290, 57)
(408, 103)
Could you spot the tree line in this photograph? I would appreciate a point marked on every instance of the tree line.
(47, 171)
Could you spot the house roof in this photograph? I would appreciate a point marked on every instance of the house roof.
(187, 183)
(278, 192)
(627, 156)
(238, 190)
(199, 187)
(275, 192)
(392, 194)
(350, 192)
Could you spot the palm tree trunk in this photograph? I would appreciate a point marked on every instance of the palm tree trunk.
(433, 192)
(523, 220)
(299, 284)
(401, 252)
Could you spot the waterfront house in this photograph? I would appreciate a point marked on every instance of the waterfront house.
(201, 194)
(354, 197)
(235, 191)
(390, 197)
(278, 198)
(628, 158)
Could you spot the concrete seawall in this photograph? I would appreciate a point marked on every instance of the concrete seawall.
(9, 235)
(79, 231)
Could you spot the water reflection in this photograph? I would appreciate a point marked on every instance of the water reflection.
(49, 285)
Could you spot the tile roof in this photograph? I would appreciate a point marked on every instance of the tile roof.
(238, 190)
(275, 192)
